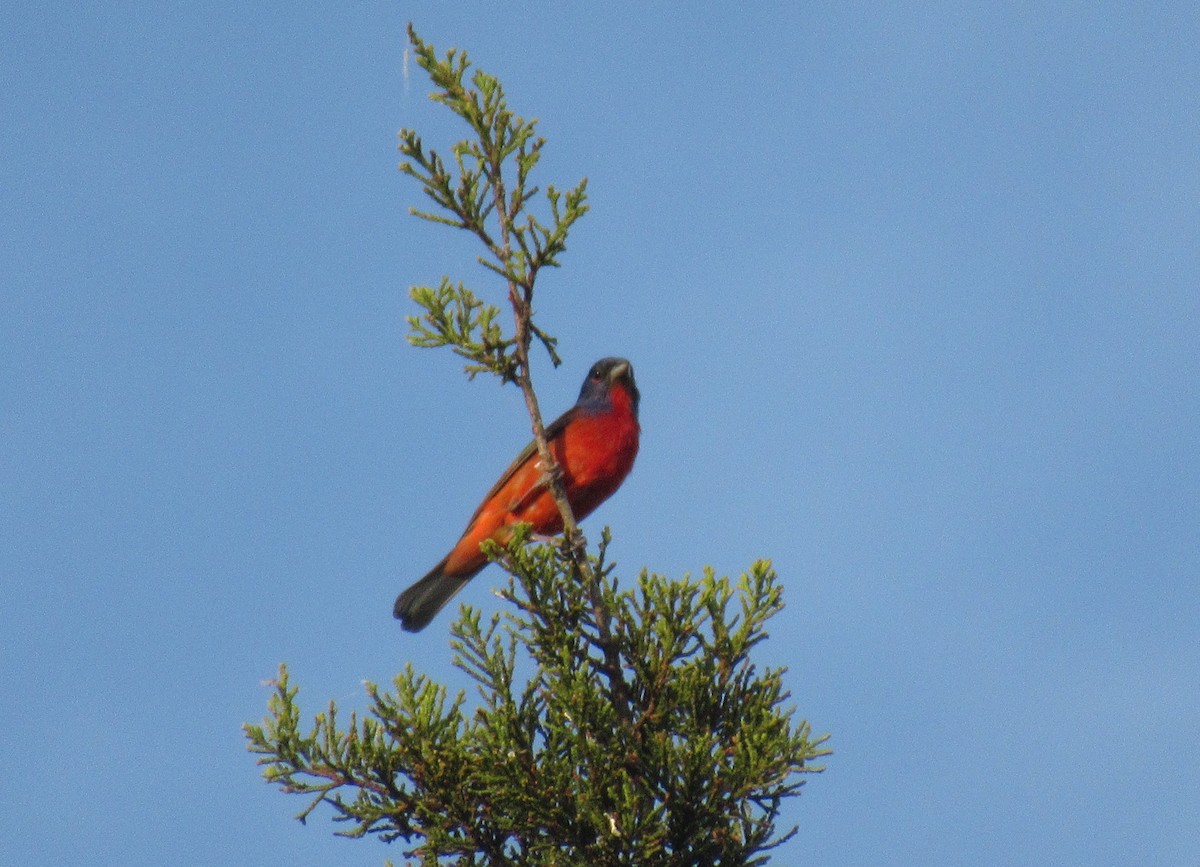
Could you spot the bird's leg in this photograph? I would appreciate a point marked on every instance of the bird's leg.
(546, 482)
(549, 477)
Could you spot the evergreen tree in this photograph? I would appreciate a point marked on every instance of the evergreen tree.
(643, 734)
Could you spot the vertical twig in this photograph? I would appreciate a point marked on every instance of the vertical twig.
(499, 133)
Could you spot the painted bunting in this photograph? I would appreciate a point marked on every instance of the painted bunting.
(594, 442)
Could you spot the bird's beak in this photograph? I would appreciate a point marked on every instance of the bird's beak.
(618, 371)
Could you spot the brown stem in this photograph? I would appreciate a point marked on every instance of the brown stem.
(520, 296)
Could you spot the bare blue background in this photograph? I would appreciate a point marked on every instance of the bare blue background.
(914, 302)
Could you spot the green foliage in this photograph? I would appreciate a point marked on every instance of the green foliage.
(610, 726)
(479, 194)
(455, 317)
(643, 735)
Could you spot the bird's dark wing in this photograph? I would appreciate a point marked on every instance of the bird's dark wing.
(553, 430)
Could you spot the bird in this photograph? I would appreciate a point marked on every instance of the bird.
(594, 443)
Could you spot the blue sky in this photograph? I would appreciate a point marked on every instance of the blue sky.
(914, 301)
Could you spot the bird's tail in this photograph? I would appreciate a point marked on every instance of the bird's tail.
(420, 603)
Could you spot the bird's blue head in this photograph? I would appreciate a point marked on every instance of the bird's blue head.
(606, 374)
